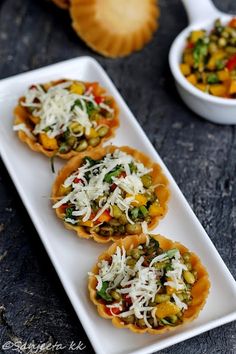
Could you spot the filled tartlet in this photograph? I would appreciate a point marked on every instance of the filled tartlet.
(148, 284)
(65, 117)
(109, 193)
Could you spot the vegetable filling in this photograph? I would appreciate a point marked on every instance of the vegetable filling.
(146, 286)
(67, 115)
(114, 195)
(209, 60)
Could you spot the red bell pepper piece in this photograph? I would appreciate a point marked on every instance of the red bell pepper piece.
(231, 64)
(111, 311)
(190, 45)
(232, 23)
(98, 99)
(105, 217)
(77, 180)
(63, 207)
(128, 300)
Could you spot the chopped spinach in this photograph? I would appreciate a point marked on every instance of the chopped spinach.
(103, 292)
(69, 212)
(114, 173)
(200, 52)
(212, 78)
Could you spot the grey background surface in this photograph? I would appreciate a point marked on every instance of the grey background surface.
(201, 156)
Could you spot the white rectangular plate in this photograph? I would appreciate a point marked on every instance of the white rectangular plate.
(72, 257)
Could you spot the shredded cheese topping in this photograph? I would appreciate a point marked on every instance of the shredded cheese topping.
(89, 190)
(140, 283)
(58, 107)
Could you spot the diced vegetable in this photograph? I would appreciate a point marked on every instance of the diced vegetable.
(209, 59)
(105, 217)
(166, 309)
(155, 209)
(48, 143)
(185, 69)
(103, 292)
(77, 88)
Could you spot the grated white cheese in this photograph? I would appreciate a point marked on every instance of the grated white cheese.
(140, 283)
(83, 194)
(23, 128)
(56, 108)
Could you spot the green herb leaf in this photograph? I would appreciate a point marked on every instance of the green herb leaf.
(133, 167)
(46, 129)
(220, 64)
(52, 164)
(69, 213)
(171, 253)
(64, 148)
(103, 292)
(212, 78)
(134, 213)
(90, 107)
(115, 173)
(200, 52)
(143, 210)
(90, 160)
(76, 103)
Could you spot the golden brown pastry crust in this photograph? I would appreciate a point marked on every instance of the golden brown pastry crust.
(199, 291)
(158, 178)
(22, 116)
(115, 28)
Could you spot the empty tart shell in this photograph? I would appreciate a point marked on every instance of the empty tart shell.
(22, 115)
(158, 178)
(63, 4)
(199, 291)
(115, 28)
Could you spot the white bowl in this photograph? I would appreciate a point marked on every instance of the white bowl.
(202, 14)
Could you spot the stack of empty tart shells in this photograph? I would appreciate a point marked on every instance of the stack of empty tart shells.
(113, 28)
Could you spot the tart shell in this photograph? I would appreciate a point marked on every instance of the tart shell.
(158, 177)
(23, 116)
(115, 28)
(199, 291)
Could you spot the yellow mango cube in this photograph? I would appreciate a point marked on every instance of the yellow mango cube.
(87, 223)
(218, 90)
(192, 79)
(92, 133)
(48, 143)
(140, 199)
(155, 209)
(185, 69)
(77, 88)
(64, 190)
(223, 75)
(202, 87)
(211, 65)
(232, 88)
(196, 35)
(166, 309)
(188, 59)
